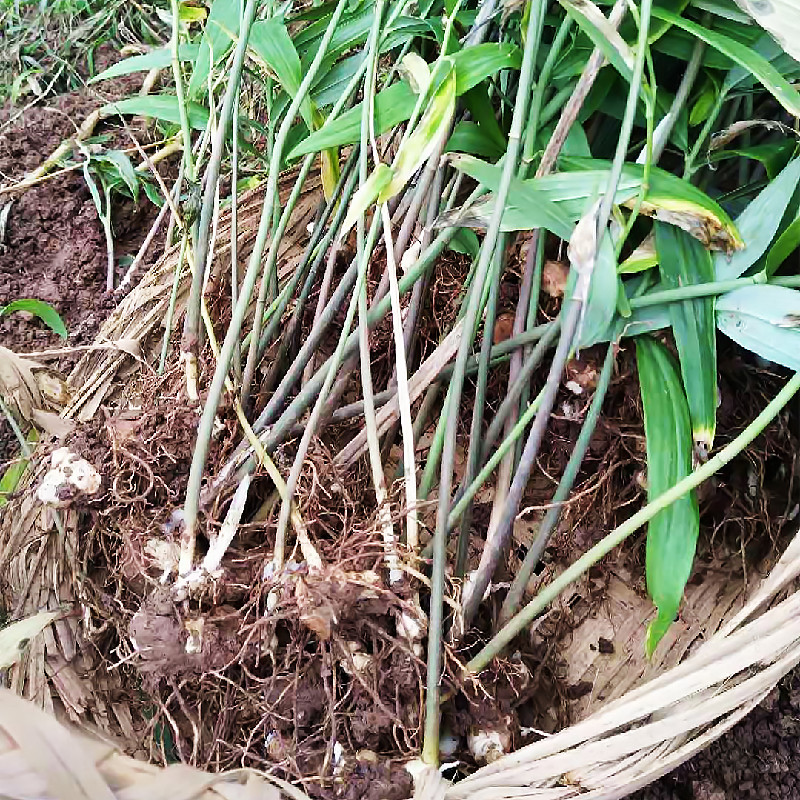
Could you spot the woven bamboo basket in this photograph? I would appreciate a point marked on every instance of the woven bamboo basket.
(733, 644)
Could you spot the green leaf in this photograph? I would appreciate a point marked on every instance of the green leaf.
(604, 35)
(602, 302)
(703, 104)
(668, 198)
(526, 203)
(676, 201)
(365, 196)
(351, 32)
(479, 104)
(189, 14)
(642, 258)
(683, 261)
(122, 168)
(476, 63)
(672, 533)
(392, 106)
(221, 28)
(158, 106)
(427, 137)
(11, 478)
(271, 43)
(785, 245)
(758, 223)
(160, 58)
(768, 76)
(468, 137)
(396, 103)
(331, 83)
(465, 242)
(38, 308)
(774, 155)
(765, 320)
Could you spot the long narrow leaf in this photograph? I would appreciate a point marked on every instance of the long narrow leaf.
(39, 308)
(222, 27)
(396, 103)
(768, 76)
(159, 58)
(672, 533)
(158, 106)
(758, 223)
(271, 42)
(683, 261)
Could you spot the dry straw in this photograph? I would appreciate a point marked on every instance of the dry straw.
(41, 759)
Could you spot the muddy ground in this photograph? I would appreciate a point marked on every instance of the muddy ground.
(53, 249)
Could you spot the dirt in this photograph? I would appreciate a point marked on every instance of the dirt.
(53, 246)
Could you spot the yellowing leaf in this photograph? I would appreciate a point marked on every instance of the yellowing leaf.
(366, 196)
(432, 128)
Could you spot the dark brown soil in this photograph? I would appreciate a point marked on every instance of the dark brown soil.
(53, 247)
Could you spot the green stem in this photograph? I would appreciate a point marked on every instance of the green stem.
(176, 278)
(177, 76)
(191, 329)
(511, 400)
(237, 351)
(570, 335)
(488, 468)
(430, 747)
(710, 289)
(333, 365)
(306, 271)
(525, 617)
(474, 451)
(109, 235)
(205, 428)
(270, 268)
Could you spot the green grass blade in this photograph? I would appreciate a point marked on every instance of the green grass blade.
(759, 222)
(39, 308)
(683, 261)
(746, 57)
(672, 533)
